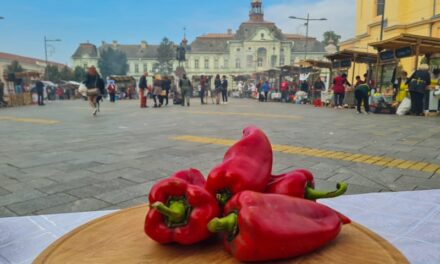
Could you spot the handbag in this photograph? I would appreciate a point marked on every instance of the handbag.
(93, 92)
(82, 90)
(163, 93)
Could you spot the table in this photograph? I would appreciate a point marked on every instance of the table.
(409, 220)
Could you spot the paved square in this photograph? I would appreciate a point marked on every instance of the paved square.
(59, 159)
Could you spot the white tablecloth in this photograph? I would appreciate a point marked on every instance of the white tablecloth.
(409, 220)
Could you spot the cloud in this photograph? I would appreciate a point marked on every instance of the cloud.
(341, 15)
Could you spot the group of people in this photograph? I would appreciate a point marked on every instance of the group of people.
(160, 90)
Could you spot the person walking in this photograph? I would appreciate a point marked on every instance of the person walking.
(166, 86)
(95, 87)
(202, 89)
(417, 85)
(40, 92)
(361, 94)
(186, 87)
(218, 88)
(225, 90)
(143, 90)
(265, 88)
(157, 91)
(339, 89)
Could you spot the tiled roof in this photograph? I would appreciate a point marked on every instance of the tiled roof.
(313, 46)
(218, 36)
(135, 51)
(209, 45)
(86, 49)
(26, 60)
(297, 37)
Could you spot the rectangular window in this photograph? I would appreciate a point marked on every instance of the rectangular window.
(226, 63)
(196, 64)
(206, 63)
(260, 62)
(250, 61)
(282, 61)
(380, 7)
(145, 67)
(273, 60)
(136, 68)
(216, 63)
(238, 63)
(85, 66)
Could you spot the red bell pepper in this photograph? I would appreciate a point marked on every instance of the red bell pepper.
(246, 166)
(180, 210)
(301, 184)
(192, 176)
(266, 227)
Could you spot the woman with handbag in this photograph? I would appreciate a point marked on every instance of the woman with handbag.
(95, 87)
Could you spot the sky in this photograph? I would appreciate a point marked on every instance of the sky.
(131, 21)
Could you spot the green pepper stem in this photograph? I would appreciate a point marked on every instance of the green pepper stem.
(223, 197)
(226, 224)
(313, 194)
(175, 212)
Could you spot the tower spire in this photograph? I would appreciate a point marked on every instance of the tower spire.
(256, 13)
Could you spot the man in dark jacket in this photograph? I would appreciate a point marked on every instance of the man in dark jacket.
(417, 85)
(225, 90)
(166, 86)
(143, 89)
(40, 92)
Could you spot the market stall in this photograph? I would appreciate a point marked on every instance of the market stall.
(343, 60)
(393, 50)
(18, 88)
(126, 86)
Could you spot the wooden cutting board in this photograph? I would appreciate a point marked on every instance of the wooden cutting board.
(119, 238)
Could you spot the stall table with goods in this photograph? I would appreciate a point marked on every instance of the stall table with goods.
(392, 50)
(241, 212)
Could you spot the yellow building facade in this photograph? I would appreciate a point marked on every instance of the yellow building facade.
(418, 17)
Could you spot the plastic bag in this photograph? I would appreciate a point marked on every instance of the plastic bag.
(404, 107)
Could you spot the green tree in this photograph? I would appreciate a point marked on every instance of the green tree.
(14, 67)
(331, 35)
(165, 56)
(66, 74)
(112, 62)
(53, 73)
(79, 74)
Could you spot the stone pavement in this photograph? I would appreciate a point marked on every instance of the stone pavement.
(59, 159)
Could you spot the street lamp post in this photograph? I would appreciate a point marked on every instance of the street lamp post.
(45, 51)
(308, 19)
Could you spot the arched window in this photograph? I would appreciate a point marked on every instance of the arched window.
(262, 55)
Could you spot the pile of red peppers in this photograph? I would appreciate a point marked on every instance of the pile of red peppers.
(260, 217)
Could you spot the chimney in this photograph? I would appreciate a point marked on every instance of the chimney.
(115, 44)
(229, 31)
(144, 44)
